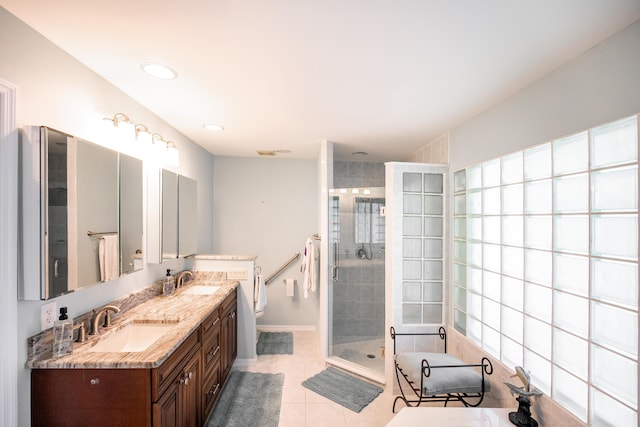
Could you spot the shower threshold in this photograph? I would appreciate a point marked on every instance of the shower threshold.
(357, 369)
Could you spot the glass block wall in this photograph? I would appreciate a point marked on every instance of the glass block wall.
(422, 248)
(545, 267)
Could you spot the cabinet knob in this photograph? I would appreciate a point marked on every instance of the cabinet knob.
(94, 381)
(185, 378)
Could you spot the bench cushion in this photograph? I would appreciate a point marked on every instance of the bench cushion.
(442, 380)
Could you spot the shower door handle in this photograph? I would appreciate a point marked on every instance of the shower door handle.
(336, 259)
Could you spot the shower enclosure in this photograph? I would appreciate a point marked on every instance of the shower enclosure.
(357, 271)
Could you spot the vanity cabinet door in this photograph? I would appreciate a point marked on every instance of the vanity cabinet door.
(179, 406)
(228, 333)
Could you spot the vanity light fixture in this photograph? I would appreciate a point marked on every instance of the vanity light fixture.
(214, 127)
(139, 141)
(142, 134)
(159, 71)
(118, 118)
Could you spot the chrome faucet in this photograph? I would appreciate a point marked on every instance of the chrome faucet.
(180, 277)
(107, 318)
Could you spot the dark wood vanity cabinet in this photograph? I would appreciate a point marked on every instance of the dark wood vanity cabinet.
(179, 393)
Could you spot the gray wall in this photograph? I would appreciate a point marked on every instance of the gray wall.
(600, 86)
(54, 89)
(268, 207)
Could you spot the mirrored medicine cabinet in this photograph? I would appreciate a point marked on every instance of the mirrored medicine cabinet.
(179, 215)
(81, 212)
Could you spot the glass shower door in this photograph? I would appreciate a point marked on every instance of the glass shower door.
(357, 279)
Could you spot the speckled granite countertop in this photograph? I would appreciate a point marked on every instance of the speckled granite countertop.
(185, 310)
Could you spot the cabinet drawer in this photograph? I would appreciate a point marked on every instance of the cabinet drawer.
(211, 349)
(211, 389)
(229, 304)
(211, 323)
(162, 376)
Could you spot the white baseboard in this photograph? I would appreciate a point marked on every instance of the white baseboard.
(285, 328)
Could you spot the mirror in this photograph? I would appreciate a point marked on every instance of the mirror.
(93, 214)
(82, 221)
(130, 197)
(169, 193)
(179, 214)
(187, 216)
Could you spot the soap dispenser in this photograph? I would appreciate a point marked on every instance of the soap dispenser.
(168, 285)
(62, 334)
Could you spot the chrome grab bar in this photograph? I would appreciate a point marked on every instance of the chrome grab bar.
(282, 268)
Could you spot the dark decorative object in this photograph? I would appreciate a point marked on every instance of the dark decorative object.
(523, 418)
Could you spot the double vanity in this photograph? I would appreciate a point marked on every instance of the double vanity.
(161, 362)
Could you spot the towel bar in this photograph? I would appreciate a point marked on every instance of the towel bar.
(100, 233)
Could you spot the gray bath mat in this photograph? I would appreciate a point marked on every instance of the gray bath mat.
(248, 399)
(275, 343)
(344, 389)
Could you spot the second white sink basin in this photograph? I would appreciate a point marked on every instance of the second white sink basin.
(201, 290)
(134, 337)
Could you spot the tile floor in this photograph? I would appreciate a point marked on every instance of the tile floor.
(302, 407)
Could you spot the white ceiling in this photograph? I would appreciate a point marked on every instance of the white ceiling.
(380, 76)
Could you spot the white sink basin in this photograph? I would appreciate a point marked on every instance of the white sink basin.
(134, 337)
(201, 290)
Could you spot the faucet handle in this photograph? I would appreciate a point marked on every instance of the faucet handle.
(107, 314)
(82, 332)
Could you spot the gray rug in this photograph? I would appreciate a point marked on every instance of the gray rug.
(248, 399)
(348, 391)
(275, 343)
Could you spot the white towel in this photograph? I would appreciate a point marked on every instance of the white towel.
(108, 256)
(260, 295)
(308, 267)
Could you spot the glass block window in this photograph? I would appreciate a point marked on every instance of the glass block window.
(546, 267)
(460, 246)
(334, 219)
(423, 247)
(369, 223)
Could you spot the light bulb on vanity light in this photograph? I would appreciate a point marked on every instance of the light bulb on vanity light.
(119, 131)
(172, 155)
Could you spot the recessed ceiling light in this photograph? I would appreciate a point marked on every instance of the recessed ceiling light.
(213, 127)
(266, 152)
(359, 153)
(158, 70)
